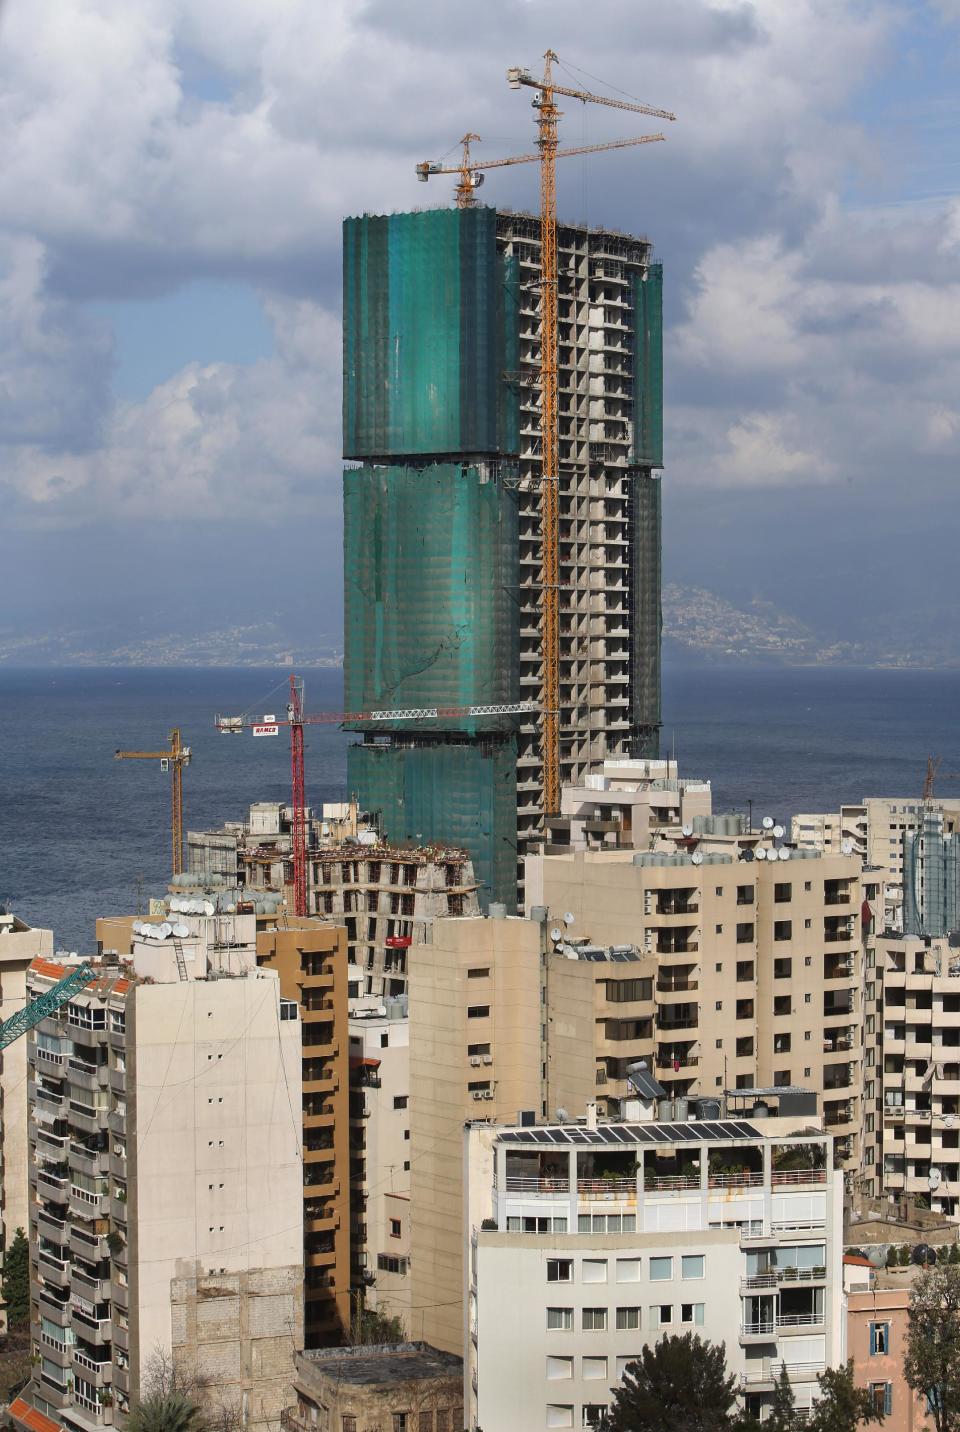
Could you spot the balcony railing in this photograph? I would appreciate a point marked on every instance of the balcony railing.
(670, 1183)
(776, 1276)
(798, 1175)
(516, 1184)
(766, 1327)
(606, 1187)
(800, 1320)
(735, 1180)
(796, 1371)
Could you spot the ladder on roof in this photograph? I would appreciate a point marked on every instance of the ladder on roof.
(181, 962)
(47, 1003)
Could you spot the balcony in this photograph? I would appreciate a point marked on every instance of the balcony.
(777, 1276)
(84, 1204)
(53, 1270)
(82, 1075)
(519, 1184)
(88, 1118)
(90, 1327)
(53, 1184)
(89, 1246)
(56, 1309)
(606, 1188)
(83, 1159)
(772, 1368)
(746, 1179)
(88, 1287)
(680, 986)
(48, 1226)
(94, 1369)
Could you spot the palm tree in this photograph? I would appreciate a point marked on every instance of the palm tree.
(164, 1412)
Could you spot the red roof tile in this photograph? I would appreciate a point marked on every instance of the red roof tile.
(31, 1418)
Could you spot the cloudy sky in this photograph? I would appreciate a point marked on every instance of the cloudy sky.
(173, 179)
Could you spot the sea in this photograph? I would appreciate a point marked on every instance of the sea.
(82, 834)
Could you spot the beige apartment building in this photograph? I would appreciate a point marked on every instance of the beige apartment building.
(751, 970)
(912, 1075)
(166, 1183)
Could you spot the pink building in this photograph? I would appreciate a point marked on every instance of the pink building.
(877, 1314)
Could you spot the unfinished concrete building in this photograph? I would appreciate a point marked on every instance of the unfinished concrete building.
(382, 895)
(442, 537)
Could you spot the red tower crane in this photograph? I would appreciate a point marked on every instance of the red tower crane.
(297, 718)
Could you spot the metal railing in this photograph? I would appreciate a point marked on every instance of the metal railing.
(607, 1187)
(668, 1183)
(517, 1184)
(800, 1320)
(735, 1180)
(796, 1371)
(798, 1175)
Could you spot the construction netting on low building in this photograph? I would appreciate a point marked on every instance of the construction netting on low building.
(648, 367)
(646, 615)
(430, 591)
(429, 333)
(460, 792)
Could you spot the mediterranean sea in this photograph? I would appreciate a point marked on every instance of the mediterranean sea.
(83, 835)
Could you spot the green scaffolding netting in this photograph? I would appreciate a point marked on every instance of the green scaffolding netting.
(459, 793)
(429, 329)
(648, 368)
(647, 621)
(430, 591)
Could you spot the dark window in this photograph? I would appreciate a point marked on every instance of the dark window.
(781, 1077)
(478, 974)
(744, 934)
(744, 969)
(400, 1101)
(782, 893)
(744, 894)
(394, 1228)
(478, 1011)
(783, 929)
(744, 1008)
(782, 969)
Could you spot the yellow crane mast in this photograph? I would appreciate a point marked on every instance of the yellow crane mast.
(173, 760)
(548, 116)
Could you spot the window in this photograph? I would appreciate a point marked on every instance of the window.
(401, 1422)
(661, 1315)
(881, 1395)
(593, 1320)
(384, 1041)
(607, 1223)
(744, 894)
(744, 934)
(400, 1101)
(559, 1415)
(388, 1264)
(288, 1009)
(879, 1339)
(782, 893)
(593, 1414)
(744, 969)
(628, 1270)
(660, 1269)
(478, 1011)
(719, 1004)
(559, 1270)
(477, 1051)
(782, 969)
(349, 1423)
(594, 1270)
(692, 1313)
(560, 1320)
(718, 890)
(559, 1369)
(532, 1225)
(718, 929)
(622, 1364)
(593, 1368)
(425, 1422)
(781, 1044)
(478, 974)
(629, 991)
(627, 1318)
(394, 1228)
(691, 1265)
(745, 1046)
(781, 1078)
(783, 929)
(477, 1086)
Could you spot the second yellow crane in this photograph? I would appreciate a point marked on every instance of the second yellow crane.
(174, 760)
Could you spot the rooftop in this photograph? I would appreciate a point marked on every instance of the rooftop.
(380, 1362)
(695, 1131)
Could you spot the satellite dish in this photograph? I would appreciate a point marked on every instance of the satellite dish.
(948, 1121)
(782, 854)
(760, 853)
(697, 858)
(747, 855)
(163, 930)
(180, 929)
(767, 822)
(568, 918)
(846, 847)
(934, 1177)
(208, 907)
(562, 1116)
(556, 934)
(686, 830)
(778, 832)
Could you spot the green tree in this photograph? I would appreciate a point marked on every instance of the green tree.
(931, 1363)
(782, 1417)
(841, 1405)
(165, 1412)
(679, 1385)
(16, 1281)
(955, 1252)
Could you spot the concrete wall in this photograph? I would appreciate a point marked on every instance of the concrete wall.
(18, 946)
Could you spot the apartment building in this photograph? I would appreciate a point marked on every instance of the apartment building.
(310, 958)
(624, 804)
(585, 1241)
(382, 895)
(166, 1183)
(750, 969)
(380, 1156)
(20, 944)
(878, 1319)
(912, 1075)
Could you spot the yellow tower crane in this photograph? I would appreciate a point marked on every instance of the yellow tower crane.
(470, 178)
(173, 760)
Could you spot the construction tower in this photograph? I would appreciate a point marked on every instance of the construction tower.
(442, 516)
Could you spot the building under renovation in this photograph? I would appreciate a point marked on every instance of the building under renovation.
(442, 527)
(382, 895)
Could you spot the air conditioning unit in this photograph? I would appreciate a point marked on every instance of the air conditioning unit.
(487, 1094)
(488, 1059)
(479, 1094)
(475, 1060)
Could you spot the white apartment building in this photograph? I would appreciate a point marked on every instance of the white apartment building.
(166, 1179)
(380, 1155)
(624, 804)
(585, 1241)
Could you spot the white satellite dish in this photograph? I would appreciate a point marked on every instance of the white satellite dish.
(207, 908)
(686, 830)
(778, 832)
(163, 930)
(948, 1121)
(934, 1177)
(697, 858)
(767, 822)
(846, 847)
(568, 918)
(783, 853)
(556, 934)
(562, 1116)
(760, 853)
(180, 929)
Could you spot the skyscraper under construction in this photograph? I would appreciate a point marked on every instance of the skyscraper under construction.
(442, 527)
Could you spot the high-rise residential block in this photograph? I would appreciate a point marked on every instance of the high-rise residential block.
(166, 1180)
(442, 533)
